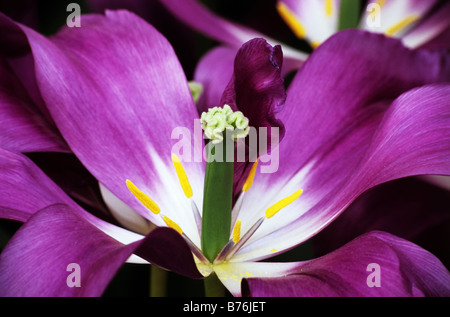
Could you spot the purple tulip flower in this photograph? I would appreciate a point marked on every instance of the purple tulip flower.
(363, 110)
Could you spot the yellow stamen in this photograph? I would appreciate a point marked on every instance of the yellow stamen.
(291, 20)
(272, 210)
(237, 231)
(402, 24)
(249, 181)
(328, 7)
(184, 182)
(172, 224)
(143, 198)
(314, 44)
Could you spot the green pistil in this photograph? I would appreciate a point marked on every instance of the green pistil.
(218, 190)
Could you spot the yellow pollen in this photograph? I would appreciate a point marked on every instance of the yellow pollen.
(272, 210)
(402, 24)
(143, 198)
(182, 177)
(172, 224)
(237, 231)
(249, 181)
(291, 20)
(328, 7)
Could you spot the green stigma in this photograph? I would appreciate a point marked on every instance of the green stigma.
(219, 120)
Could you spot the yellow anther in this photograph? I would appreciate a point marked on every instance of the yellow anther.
(237, 231)
(249, 181)
(291, 20)
(143, 198)
(172, 224)
(272, 210)
(328, 7)
(184, 182)
(402, 24)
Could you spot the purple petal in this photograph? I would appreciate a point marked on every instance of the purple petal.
(22, 127)
(166, 248)
(36, 260)
(25, 189)
(134, 96)
(257, 89)
(404, 269)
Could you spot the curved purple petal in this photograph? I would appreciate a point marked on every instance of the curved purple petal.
(39, 259)
(25, 189)
(22, 127)
(257, 90)
(166, 248)
(117, 104)
(375, 264)
(256, 87)
(44, 256)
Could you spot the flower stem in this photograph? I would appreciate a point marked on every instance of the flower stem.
(213, 287)
(158, 282)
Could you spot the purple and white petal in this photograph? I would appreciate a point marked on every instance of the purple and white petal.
(314, 21)
(394, 18)
(330, 136)
(432, 32)
(117, 104)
